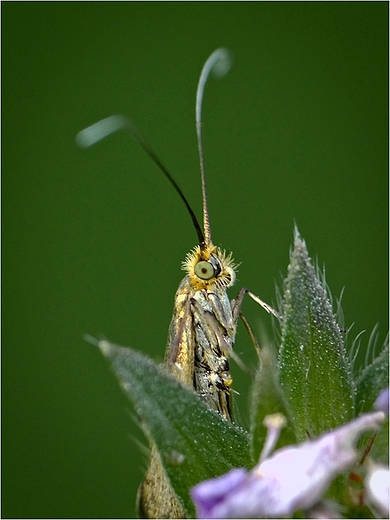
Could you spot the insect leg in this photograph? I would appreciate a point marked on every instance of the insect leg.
(237, 302)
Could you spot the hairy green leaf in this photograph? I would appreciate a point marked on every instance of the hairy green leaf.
(194, 442)
(267, 399)
(314, 370)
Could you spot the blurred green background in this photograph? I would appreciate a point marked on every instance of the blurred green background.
(93, 239)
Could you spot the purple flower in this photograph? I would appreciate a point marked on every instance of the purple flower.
(293, 478)
(382, 401)
(208, 495)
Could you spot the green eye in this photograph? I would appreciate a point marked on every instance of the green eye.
(204, 270)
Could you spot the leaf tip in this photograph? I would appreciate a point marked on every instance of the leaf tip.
(105, 347)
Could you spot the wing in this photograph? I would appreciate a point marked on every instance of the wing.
(179, 354)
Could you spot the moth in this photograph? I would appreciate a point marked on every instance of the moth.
(204, 322)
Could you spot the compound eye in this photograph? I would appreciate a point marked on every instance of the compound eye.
(204, 270)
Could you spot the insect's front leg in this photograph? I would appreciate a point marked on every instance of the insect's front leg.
(237, 302)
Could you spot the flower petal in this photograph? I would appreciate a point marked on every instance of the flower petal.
(377, 486)
(382, 401)
(294, 478)
(208, 494)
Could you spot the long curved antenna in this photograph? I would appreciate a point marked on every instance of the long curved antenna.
(219, 63)
(105, 127)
